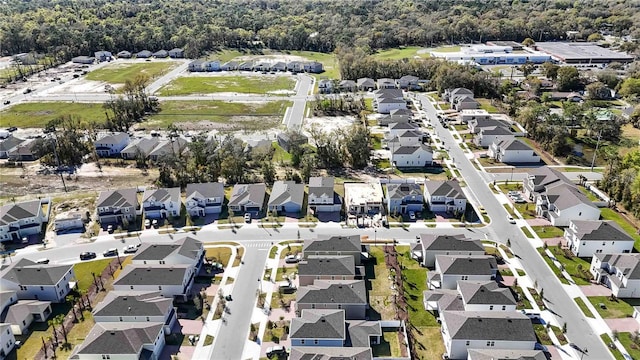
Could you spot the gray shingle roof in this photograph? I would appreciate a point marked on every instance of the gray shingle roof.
(330, 353)
(486, 354)
(13, 212)
(486, 292)
(449, 188)
(447, 299)
(21, 310)
(333, 292)
(205, 190)
(27, 272)
(450, 242)
(495, 130)
(489, 325)
(142, 146)
(399, 191)
(514, 144)
(123, 303)
(319, 185)
(407, 150)
(388, 100)
(247, 192)
(360, 332)
(118, 338)
(112, 138)
(318, 324)
(9, 143)
(118, 198)
(366, 81)
(187, 247)
(286, 191)
(545, 176)
(628, 264)
(403, 126)
(334, 243)
(466, 265)
(599, 230)
(162, 194)
(565, 196)
(327, 265)
(152, 275)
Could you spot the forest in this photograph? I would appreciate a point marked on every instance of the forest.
(67, 28)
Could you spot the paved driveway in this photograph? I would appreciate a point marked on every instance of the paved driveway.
(623, 325)
(191, 326)
(595, 290)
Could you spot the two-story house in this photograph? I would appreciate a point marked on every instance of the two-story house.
(363, 198)
(445, 196)
(540, 178)
(331, 352)
(619, 272)
(409, 82)
(403, 198)
(487, 354)
(328, 267)
(470, 296)
(319, 327)
(139, 148)
(512, 151)
(172, 281)
(489, 135)
(466, 330)
(434, 245)
(348, 295)
(334, 245)
(286, 196)
(366, 84)
(322, 197)
(204, 198)
(110, 145)
(125, 341)
(161, 203)
(138, 307)
(450, 269)
(586, 238)
(7, 340)
(247, 198)
(564, 202)
(413, 156)
(32, 281)
(116, 206)
(18, 220)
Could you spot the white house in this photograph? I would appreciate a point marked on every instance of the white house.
(9, 144)
(452, 268)
(204, 198)
(412, 137)
(185, 251)
(386, 83)
(18, 220)
(444, 196)
(588, 237)
(512, 151)
(68, 221)
(32, 281)
(491, 354)
(540, 178)
(619, 272)
(174, 147)
(122, 341)
(403, 198)
(161, 203)
(485, 296)
(247, 198)
(366, 84)
(489, 135)
(23, 313)
(564, 202)
(471, 116)
(466, 330)
(286, 196)
(434, 245)
(412, 156)
(110, 145)
(138, 307)
(322, 197)
(7, 340)
(408, 82)
(169, 280)
(386, 105)
(363, 198)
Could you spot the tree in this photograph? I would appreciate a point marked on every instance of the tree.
(527, 69)
(528, 42)
(598, 91)
(307, 165)
(357, 145)
(268, 172)
(59, 320)
(630, 87)
(595, 37)
(568, 79)
(550, 70)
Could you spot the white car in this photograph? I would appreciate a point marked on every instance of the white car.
(129, 249)
(412, 215)
(511, 219)
(247, 217)
(147, 223)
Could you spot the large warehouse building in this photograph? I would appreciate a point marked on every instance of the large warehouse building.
(581, 53)
(493, 55)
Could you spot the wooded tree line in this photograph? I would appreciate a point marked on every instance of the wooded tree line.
(74, 27)
(621, 180)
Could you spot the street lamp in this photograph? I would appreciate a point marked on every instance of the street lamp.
(118, 256)
(375, 237)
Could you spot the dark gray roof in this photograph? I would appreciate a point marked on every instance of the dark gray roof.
(112, 138)
(405, 150)
(460, 91)
(628, 264)
(360, 332)
(330, 353)
(118, 338)
(399, 191)
(327, 265)
(486, 292)
(465, 99)
(545, 176)
(27, 272)
(319, 185)
(286, 191)
(599, 230)
(21, 310)
(187, 247)
(432, 242)
(334, 243)
(118, 198)
(9, 143)
(13, 212)
(447, 299)
(162, 194)
(363, 81)
(565, 196)
(495, 130)
(486, 354)
(205, 190)
(389, 100)
(123, 303)
(247, 192)
(514, 144)
(489, 325)
(333, 292)
(449, 188)
(403, 126)
(466, 265)
(400, 112)
(318, 324)
(142, 146)
(152, 275)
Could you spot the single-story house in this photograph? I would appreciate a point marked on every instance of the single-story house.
(139, 148)
(366, 84)
(103, 56)
(161, 54)
(144, 54)
(83, 60)
(124, 54)
(176, 53)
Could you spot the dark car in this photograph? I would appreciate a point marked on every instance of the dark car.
(110, 252)
(12, 129)
(278, 351)
(7, 102)
(87, 255)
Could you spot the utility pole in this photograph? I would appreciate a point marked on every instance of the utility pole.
(55, 153)
(593, 162)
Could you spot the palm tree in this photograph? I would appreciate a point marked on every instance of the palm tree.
(71, 300)
(59, 320)
(53, 324)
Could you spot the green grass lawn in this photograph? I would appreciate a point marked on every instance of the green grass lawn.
(526, 232)
(83, 271)
(416, 279)
(235, 84)
(376, 141)
(118, 73)
(224, 55)
(558, 333)
(583, 307)
(552, 266)
(329, 62)
(446, 49)
(527, 210)
(523, 302)
(408, 52)
(546, 232)
(542, 335)
(389, 345)
(37, 114)
(486, 105)
(616, 353)
(235, 115)
(609, 214)
(614, 309)
(280, 156)
(576, 267)
(632, 347)
(380, 296)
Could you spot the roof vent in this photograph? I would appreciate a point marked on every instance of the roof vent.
(129, 309)
(124, 298)
(112, 332)
(148, 269)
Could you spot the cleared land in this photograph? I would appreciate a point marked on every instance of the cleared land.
(220, 114)
(119, 73)
(235, 84)
(408, 52)
(36, 115)
(329, 62)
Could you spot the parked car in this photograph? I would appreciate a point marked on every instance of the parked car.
(110, 229)
(276, 351)
(155, 223)
(511, 219)
(42, 261)
(292, 259)
(130, 249)
(412, 215)
(12, 129)
(7, 102)
(147, 223)
(87, 255)
(110, 252)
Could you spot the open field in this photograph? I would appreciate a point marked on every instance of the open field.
(446, 49)
(235, 84)
(329, 61)
(408, 52)
(220, 115)
(118, 73)
(37, 114)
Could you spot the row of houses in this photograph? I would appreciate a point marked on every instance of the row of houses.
(17, 149)
(103, 55)
(409, 146)
(250, 65)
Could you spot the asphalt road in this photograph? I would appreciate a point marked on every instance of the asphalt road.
(295, 116)
(558, 301)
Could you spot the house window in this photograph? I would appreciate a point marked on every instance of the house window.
(148, 318)
(131, 287)
(106, 357)
(41, 288)
(464, 277)
(604, 243)
(161, 262)
(468, 342)
(159, 287)
(504, 307)
(313, 306)
(339, 306)
(302, 342)
(120, 318)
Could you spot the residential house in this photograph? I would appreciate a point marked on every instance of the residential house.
(400, 127)
(391, 93)
(513, 151)
(111, 144)
(565, 96)
(126, 341)
(412, 156)
(503, 354)
(313, 67)
(401, 115)
(87, 60)
(229, 66)
(475, 117)
(404, 138)
(386, 83)
(204, 198)
(7, 340)
(539, 179)
(247, 198)
(116, 206)
(161, 203)
(295, 66)
(25, 151)
(174, 147)
(404, 198)
(176, 53)
(586, 238)
(619, 272)
(564, 202)
(319, 327)
(439, 300)
(466, 330)
(279, 66)
(433, 245)
(210, 66)
(23, 313)
(33, 281)
(103, 56)
(69, 221)
(347, 295)
(409, 82)
(262, 66)
(124, 54)
(348, 85)
(286, 196)
(287, 141)
(331, 353)
(170, 280)
(445, 196)
(450, 95)
(385, 105)
(7, 298)
(364, 333)
(8, 144)
(366, 84)
(489, 135)
(185, 251)
(452, 268)
(322, 197)
(334, 246)
(465, 103)
(144, 54)
(19, 220)
(246, 66)
(325, 86)
(196, 66)
(136, 307)
(139, 148)
(485, 296)
(328, 267)
(363, 198)
(161, 54)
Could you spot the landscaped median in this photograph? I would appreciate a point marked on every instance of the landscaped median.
(583, 307)
(614, 351)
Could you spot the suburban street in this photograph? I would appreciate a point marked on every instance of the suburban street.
(293, 119)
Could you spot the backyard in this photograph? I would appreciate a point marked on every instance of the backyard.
(408, 52)
(546, 232)
(118, 73)
(232, 84)
(38, 114)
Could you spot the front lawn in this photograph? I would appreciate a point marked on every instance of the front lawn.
(552, 266)
(575, 266)
(528, 210)
(542, 334)
(118, 73)
(614, 309)
(526, 232)
(233, 84)
(631, 343)
(616, 353)
(220, 254)
(546, 232)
